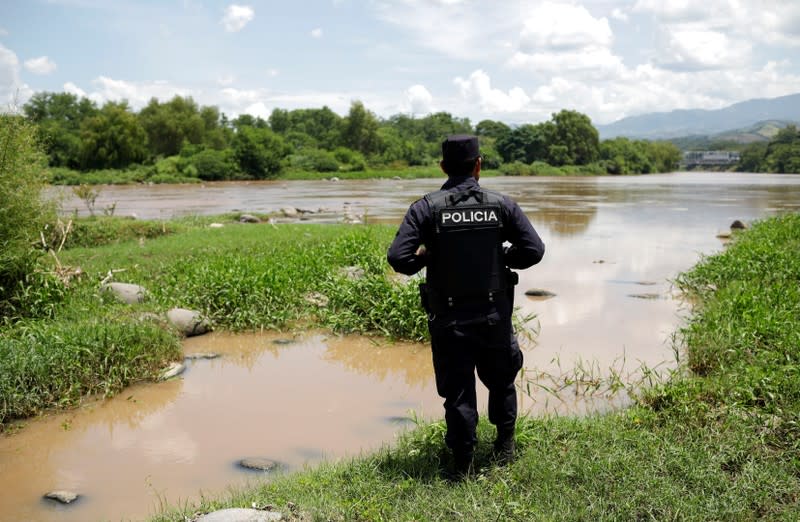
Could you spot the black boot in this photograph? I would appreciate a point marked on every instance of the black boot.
(504, 448)
(462, 467)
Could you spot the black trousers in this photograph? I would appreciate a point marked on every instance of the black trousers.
(459, 349)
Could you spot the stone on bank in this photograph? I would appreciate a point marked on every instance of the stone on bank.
(241, 515)
(188, 322)
(125, 292)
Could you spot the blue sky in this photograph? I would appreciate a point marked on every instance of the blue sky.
(511, 60)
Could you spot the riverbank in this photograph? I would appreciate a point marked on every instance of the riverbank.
(138, 175)
(78, 340)
(719, 441)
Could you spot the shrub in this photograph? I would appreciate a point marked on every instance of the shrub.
(515, 168)
(23, 213)
(214, 165)
(351, 160)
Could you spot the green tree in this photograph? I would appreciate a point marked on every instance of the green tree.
(360, 130)
(59, 117)
(113, 138)
(492, 129)
(169, 125)
(279, 121)
(574, 132)
(322, 125)
(258, 151)
(783, 151)
(753, 158)
(527, 143)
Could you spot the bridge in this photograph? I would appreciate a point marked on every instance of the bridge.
(695, 158)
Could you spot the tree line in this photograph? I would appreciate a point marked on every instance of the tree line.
(781, 154)
(180, 139)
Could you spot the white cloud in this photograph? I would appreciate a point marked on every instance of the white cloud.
(443, 26)
(563, 27)
(775, 22)
(689, 49)
(3, 32)
(136, 93)
(272, 73)
(71, 88)
(619, 14)
(590, 63)
(40, 65)
(419, 100)
(226, 80)
(478, 89)
(316, 32)
(236, 17)
(12, 91)
(559, 38)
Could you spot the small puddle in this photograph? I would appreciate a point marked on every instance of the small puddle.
(318, 397)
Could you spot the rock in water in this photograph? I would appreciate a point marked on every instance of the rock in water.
(196, 356)
(241, 515)
(645, 296)
(188, 322)
(289, 212)
(125, 292)
(63, 496)
(259, 464)
(738, 225)
(174, 370)
(248, 218)
(538, 292)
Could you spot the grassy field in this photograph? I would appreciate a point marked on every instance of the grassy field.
(720, 441)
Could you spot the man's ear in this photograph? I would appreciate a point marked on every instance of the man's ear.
(476, 171)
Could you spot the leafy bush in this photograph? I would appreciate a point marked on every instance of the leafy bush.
(23, 213)
(214, 165)
(515, 168)
(351, 160)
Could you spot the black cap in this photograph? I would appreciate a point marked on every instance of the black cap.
(460, 148)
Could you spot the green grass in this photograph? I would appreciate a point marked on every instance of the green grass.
(719, 441)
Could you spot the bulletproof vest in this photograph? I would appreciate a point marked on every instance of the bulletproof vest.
(465, 261)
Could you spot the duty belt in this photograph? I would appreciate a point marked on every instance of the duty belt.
(435, 302)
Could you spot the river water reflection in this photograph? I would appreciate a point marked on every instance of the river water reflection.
(324, 396)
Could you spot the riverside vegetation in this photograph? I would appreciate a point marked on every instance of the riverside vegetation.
(177, 141)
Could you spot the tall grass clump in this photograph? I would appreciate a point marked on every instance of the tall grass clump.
(23, 212)
(56, 363)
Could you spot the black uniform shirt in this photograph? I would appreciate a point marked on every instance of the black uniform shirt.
(418, 228)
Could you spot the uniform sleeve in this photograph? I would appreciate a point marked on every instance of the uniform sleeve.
(402, 255)
(527, 247)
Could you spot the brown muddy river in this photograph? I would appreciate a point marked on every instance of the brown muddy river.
(613, 245)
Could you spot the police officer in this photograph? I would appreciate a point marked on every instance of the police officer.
(458, 234)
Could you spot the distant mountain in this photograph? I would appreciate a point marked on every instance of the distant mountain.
(665, 125)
